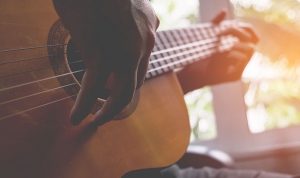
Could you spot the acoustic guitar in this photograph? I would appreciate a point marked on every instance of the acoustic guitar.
(40, 75)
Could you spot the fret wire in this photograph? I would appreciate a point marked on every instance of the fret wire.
(184, 37)
(176, 36)
(165, 41)
(160, 46)
(176, 43)
(198, 34)
(190, 37)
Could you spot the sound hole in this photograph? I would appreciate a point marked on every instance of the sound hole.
(75, 62)
(59, 35)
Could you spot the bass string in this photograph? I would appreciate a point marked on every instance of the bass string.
(40, 80)
(34, 58)
(159, 46)
(199, 27)
(207, 42)
(174, 63)
(82, 70)
(39, 93)
(42, 68)
(203, 25)
(31, 48)
(55, 101)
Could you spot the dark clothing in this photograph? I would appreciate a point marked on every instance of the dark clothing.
(206, 172)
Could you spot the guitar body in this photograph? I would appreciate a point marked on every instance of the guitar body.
(36, 137)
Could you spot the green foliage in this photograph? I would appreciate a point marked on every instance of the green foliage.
(273, 96)
(176, 13)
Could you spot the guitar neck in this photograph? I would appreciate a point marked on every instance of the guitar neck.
(180, 47)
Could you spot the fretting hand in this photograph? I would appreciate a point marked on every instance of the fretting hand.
(114, 36)
(222, 66)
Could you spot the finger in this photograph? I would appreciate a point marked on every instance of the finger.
(252, 31)
(240, 33)
(219, 17)
(246, 48)
(122, 93)
(92, 84)
(232, 56)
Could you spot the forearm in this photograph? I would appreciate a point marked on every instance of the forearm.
(191, 78)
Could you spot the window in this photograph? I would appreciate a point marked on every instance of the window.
(272, 78)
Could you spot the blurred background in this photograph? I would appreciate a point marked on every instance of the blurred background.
(271, 80)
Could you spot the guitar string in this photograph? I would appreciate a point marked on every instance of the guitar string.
(209, 42)
(61, 75)
(188, 59)
(56, 88)
(184, 60)
(37, 107)
(207, 46)
(34, 58)
(30, 48)
(36, 81)
(42, 68)
(40, 80)
(5, 117)
(203, 25)
(157, 52)
(201, 41)
(27, 96)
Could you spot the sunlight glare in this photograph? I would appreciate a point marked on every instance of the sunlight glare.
(257, 118)
(291, 14)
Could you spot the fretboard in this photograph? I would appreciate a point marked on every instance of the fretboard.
(180, 47)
